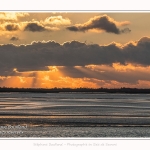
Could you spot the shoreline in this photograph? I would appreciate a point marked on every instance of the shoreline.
(76, 90)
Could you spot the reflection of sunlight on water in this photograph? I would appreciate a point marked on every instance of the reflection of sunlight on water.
(20, 105)
(63, 114)
(75, 104)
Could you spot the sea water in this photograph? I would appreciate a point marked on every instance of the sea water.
(74, 115)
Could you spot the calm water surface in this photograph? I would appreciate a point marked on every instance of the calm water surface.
(74, 115)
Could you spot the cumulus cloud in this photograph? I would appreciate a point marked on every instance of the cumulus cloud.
(14, 38)
(104, 23)
(49, 24)
(38, 55)
(11, 16)
(56, 20)
(11, 27)
(34, 27)
(10, 22)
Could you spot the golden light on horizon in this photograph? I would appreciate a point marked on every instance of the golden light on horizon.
(53, 68)
(121, 67)
(46, 78)
(16, 81)
(93, 76)
(22, 79)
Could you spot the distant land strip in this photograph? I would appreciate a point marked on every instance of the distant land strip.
(78, 90)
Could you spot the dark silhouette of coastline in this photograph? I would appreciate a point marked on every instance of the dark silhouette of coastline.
(78, 90)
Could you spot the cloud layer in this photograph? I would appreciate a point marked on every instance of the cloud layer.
(108, 73)
(104, 23)
(38, 55)
(91, 65)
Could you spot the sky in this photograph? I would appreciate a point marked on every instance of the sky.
(75, 49)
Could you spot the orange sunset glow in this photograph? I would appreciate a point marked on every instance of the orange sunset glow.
(73, 50)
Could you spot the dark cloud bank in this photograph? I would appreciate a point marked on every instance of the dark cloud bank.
(38, 55)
